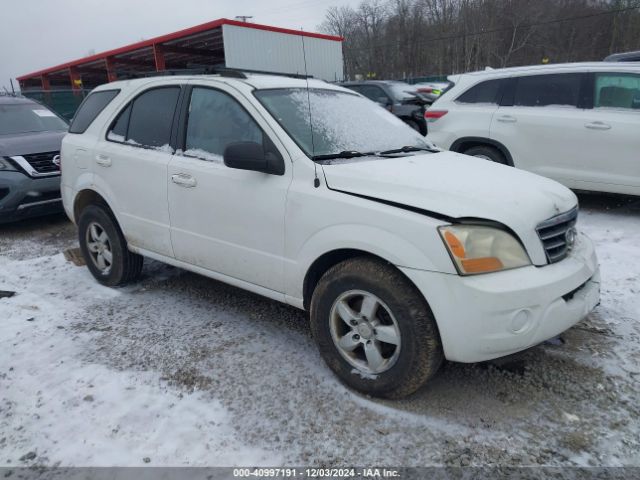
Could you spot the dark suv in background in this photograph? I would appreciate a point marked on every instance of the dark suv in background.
(30, 139)
(399, 98)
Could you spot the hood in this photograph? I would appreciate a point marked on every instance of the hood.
(26, 143)
(458, 186)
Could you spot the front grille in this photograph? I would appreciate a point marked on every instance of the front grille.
(43, 162)
(553, 234)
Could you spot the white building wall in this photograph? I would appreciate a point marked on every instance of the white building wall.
(253, 49)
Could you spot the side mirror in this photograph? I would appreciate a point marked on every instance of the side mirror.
(384, 101)
(252, 156)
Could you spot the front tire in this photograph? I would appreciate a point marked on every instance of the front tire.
(104, 248)
(374, 329)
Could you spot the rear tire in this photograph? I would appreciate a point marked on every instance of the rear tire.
(104, 248)
(487, 152)
(374, 329)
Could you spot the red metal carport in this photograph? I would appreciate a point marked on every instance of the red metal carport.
(191, 47)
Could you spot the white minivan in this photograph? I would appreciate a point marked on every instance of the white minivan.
(403, 254)
(576, 123)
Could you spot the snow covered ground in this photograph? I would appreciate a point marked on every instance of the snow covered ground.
(182, 370)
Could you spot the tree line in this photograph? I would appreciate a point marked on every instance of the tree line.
(395, 39)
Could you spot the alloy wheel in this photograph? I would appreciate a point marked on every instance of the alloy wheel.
(99, 246)
(365, 332)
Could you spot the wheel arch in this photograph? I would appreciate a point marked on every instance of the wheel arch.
(324, 262)
(464, 143)
(87, 197)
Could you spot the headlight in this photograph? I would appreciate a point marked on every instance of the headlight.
(480, 249)
(5, 164)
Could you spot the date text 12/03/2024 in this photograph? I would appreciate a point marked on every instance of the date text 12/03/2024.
(316, 472)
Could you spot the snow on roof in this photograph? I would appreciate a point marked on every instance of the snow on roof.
(558, 66)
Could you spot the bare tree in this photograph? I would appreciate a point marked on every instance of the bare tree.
(410, 38)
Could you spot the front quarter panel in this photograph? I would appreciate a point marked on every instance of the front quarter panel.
(320, 221)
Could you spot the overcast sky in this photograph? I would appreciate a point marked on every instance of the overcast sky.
(36, 34)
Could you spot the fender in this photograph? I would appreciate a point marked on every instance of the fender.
(374, 240)
(456, 146)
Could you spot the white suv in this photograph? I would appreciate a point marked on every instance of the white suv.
(404, 255)
(577, 123)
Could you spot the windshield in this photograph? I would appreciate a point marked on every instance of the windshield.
(341, 121)
(28, 117)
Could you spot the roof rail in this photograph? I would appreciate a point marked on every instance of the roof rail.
(279, 74)
(196, 70)
(205, 70)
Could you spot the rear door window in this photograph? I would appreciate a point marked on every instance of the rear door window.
(90, 109)
(548, 90)
(118, 131)
(617, 90)
(147, 121)
(486, 92)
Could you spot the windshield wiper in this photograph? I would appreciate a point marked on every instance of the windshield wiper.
(343, 154)
(408, 149)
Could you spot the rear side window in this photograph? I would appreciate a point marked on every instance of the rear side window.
(546, 90)
(485, 92)
(147, 121)
(617, 90)
(90, 109)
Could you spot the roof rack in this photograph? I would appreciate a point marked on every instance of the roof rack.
(205, 70)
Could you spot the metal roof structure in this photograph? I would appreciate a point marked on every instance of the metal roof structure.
(202, 45)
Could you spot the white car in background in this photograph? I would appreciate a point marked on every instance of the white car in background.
(403, 254)
(576, 123)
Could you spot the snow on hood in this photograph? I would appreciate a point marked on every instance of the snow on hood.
(457, 186)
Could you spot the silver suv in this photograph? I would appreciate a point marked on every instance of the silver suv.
(30, 139)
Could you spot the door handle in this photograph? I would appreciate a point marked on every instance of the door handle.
(598, 126)
(184, 180)
(507, 119)
(103, 160)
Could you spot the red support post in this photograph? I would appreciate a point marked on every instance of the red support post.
(110, 65)
(75, 78)
(46, 85)
(158, 54)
